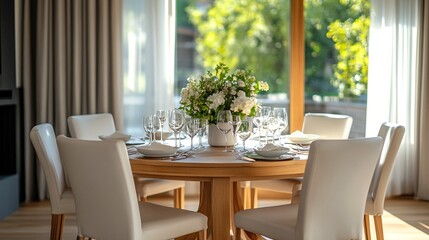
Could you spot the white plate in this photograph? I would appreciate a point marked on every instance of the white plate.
(134, 141)
(280, 158)
(302, 139)
(271, 153)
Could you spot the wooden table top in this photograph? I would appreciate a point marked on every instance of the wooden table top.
(215, 163)
(219, 174)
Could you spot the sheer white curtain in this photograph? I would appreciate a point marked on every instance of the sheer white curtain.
(149, 41)
(423, 186)
(392, 82)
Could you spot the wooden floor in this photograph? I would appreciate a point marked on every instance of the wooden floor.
(404, 218)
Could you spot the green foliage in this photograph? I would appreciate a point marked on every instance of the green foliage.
(351, 42)
(325, 47)
(252, 34)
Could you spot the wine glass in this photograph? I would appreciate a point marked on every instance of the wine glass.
(223, 123)
(235, 123)
(203, 128)
(245, 131)
(265, 114)
(162, 116)
(147, 127)
(281, 115)
(176, 121)
(257, 120)
(192, 126)
(151, 125)
(272, 124)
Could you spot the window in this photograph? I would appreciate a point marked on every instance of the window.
(165, 42)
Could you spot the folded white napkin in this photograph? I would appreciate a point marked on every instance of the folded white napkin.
(272, 147)
(298, 133)
(300, 137)
(271, 150)
(156, 149)
(115, 136)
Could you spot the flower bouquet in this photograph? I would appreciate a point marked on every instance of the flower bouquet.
(205, 96)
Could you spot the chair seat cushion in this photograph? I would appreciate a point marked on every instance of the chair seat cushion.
(276, 222)
(151, 186)
(159, 222)
(280, 185)
(373, 208)
(66, 203)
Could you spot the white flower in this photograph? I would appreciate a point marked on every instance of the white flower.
(215, 100)
(233, 91)
(241, 83)
(264, 86)
(241, 94)
(243, 105)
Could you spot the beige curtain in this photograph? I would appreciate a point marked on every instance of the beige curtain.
(70, 64)
(423, 136)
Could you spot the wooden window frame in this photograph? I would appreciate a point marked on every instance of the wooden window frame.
(297, 65)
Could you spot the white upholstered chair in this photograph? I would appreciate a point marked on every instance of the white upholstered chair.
(333, 167)
(327, 126)
(61, 197)
(392, 135)
(90, 126)
(106, 202)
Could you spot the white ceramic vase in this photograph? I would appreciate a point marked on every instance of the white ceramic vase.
(216, 138)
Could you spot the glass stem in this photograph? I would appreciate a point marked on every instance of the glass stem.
(162, 140)
(175, 139)
(226, 142)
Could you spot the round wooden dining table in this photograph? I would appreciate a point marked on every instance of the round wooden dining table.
(219, 174)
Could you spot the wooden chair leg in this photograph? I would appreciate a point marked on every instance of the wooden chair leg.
(254, 198)
(142, 199)
(296, 192)
(378, 227)
(367, 227)
(202, 235)
(179, 198)
(237, 233)
(57, 223)
(246, 197)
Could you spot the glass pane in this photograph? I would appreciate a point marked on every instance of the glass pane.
(243, 34)
(134, 49)
(336, 58)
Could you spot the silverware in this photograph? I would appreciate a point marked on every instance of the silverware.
(240, 156)
(179, 157)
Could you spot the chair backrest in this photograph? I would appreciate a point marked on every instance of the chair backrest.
(335, 185)
(44, 142)
(91, 126)
(100, 177)
(392, 135)
(327, 126)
